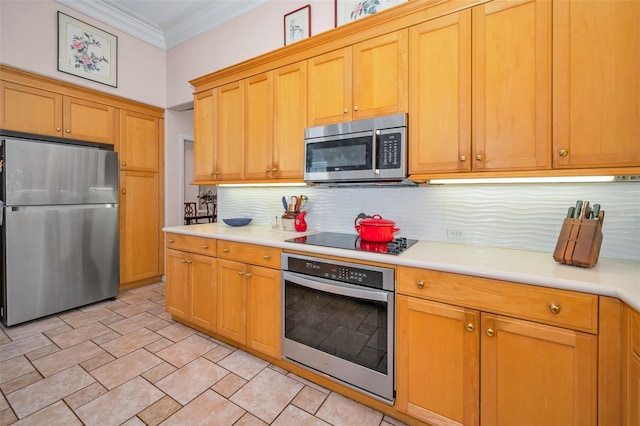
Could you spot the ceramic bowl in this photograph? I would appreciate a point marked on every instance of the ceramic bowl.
(237, 221)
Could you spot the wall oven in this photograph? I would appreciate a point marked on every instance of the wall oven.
(339, 319)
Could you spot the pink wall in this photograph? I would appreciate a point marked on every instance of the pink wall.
(28, 40)
(255, 32)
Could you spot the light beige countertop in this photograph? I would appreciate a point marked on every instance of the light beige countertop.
(610, 277)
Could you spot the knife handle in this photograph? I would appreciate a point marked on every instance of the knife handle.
(571, 212)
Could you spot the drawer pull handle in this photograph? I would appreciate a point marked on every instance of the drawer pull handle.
(490, 332)
(555, 309)
(249, 275)
(420, 284)
(189, 261)
(170, 241)
(225, 250)
(205, 246)
(240, 273)
(184, 260)
(266, 257)
(470, 327)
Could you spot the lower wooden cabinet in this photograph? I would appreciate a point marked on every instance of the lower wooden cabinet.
(631, 368)
(463, 365)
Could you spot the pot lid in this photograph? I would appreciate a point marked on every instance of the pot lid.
(377, 220)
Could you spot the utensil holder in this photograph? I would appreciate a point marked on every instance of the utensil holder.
(579, 242)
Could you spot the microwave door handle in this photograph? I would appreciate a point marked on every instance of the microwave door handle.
(374, 154)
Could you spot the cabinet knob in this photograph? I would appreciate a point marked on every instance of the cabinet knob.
(490, 332)
(184, 260)
(266, 257)
(124, 191)
(249, 275)
(241, 273)
(189, 261)
(225, 250)
(344, 111)
(555, 309)
(463, 158)
(420, 284)
(58, 129)
(68, 130)
(124, 164)
(479, 157)
(267, 170)
(170, 241)
(205, 246)
(563, 153)
(274, 170)
(470, 327)
(355, 108)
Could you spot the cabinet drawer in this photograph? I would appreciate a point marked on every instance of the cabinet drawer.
(250, 253)
(206, 246)
(563, 308)
(635, 331)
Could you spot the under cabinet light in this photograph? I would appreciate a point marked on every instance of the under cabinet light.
(550, 179)
(240, 185)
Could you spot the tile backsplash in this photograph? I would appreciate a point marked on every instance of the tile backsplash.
(519, 216)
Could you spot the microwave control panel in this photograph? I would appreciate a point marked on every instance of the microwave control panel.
(389, 151)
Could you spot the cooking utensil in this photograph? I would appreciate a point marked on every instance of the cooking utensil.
(375, 229)
(284, 202)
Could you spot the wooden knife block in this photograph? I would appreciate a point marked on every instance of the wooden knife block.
(579, 242)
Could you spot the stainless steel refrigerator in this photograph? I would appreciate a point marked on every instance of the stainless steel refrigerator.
(59, 227)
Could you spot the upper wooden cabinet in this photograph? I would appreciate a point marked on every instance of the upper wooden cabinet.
(364, 80)
(258, 157)
(139, 136)
(596, 57)
(204, 135)
(33, 110)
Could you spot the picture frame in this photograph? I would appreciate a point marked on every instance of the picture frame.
(86, 51)
(351, 10)
(297, 25)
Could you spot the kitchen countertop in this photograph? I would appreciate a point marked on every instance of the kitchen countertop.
(610, 277)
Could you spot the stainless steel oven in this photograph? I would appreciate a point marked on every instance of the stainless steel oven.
(339, 319)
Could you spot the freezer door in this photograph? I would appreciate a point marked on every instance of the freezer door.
(47, 173)
(58, 258)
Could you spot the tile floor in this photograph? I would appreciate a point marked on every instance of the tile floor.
(126, 362)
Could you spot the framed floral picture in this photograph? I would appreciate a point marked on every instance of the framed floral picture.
(87, 51)
(351, 10)
(297, 25)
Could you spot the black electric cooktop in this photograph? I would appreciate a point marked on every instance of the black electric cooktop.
(353, 242)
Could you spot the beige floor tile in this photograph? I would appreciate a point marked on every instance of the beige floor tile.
(136, 308)
(42, 352)
(130, 342)
(97, 361)
(58, 330)
(66, 358)
(217, 354)
(159, 345)
(158, 372)
(57, 414)
(308, 383)
(134, 421)
(20, 382)
(23, 346)
(176, 332)
(3, 403)
(295, 416)
(159, 411)
(104, 338)
(188, 382)
(21, 331)
(14, 367)
(341, 411)
(134, 323)
(112, 305)
(243, 364)
(229, 385)
(7, 417)
(137, 297)
(309, 399)
(112, 319)
(38, 395)
(85, 395)
(186, 350)
(390, 421)
(165, 316)
(79, 335)
(126, 368)
(278, 369)
(4, 339)
(267, 394)
(120, 404)
(88, 317)
(249, 420)
(207, 409)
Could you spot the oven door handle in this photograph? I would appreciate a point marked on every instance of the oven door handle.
(334, 287)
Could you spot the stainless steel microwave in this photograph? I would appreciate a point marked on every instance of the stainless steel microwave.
(370, 150)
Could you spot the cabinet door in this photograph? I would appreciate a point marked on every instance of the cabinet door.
(432, 335)
(177, 288)
(90, 121)
(380, 75)
(596, 59)
(202, 311)
(139, 141)
(440, 75)
(330, 87)
(633, 400)
(230, 121)
(30, 110)
(264, 302)
(512, 85)
(140, 229)
(534, 374)
(259, 127)
(232, 301)
(290, 118)
(204, 133)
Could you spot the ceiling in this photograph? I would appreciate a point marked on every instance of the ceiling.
(164, 23)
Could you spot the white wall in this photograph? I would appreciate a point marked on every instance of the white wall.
(178, 124)
(29, 41)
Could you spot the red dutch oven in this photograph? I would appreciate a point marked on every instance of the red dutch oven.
(375, 229)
